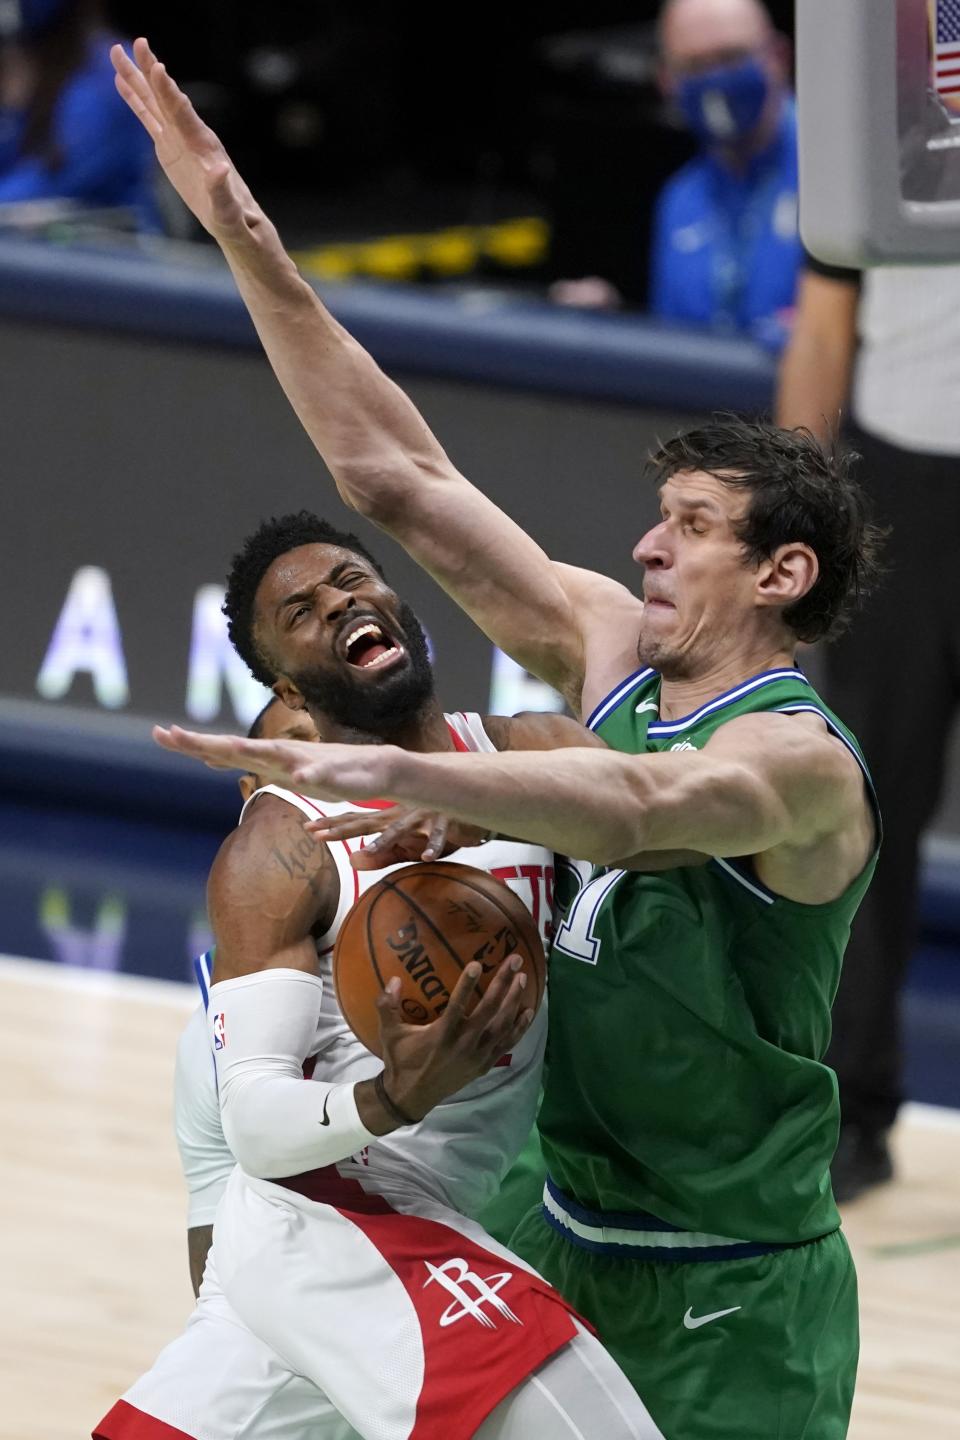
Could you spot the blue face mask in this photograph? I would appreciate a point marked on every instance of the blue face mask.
(721, 106)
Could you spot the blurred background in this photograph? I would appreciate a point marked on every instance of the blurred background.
(566, 232)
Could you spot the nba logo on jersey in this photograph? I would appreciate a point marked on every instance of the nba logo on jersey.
(219, 1032)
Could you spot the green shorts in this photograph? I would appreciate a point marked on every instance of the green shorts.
(762, 1347)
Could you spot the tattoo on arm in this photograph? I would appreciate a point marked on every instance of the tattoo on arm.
(303, 857)
(272, 888)
(296, 857)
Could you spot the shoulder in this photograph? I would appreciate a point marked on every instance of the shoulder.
(608, 616)
(805, 734)
(684, 195)
(820, 787)
(271, 863)
(803, 758)
(265, 822)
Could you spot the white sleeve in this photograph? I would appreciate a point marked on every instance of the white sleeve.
(205, 1156)
(262, 1027)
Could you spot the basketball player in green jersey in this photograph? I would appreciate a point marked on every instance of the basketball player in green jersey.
(688, 1122)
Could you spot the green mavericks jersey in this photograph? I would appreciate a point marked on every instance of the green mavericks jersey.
(689, 1011)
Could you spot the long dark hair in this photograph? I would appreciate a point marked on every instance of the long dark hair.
(58, 51)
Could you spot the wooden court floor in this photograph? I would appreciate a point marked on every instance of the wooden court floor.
(92, 1251)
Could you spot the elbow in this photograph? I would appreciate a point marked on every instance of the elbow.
(397, 493)
(253, 1150)
(376, 488)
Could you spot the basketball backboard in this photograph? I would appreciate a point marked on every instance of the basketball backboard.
(879, 107)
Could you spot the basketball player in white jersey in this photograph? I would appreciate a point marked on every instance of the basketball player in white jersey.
(345, 1292)
(205, 1157)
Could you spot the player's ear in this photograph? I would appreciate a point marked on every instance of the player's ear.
(288, 694)
(247, 785)
(789, 573)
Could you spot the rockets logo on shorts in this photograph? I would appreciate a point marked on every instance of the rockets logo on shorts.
(219, 1031)
(454, 1275)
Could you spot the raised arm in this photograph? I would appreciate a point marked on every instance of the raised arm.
(383, 457)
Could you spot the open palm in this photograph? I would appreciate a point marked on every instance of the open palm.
(190, 153)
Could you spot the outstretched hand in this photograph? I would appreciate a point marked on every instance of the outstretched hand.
(401, 835)
(192, 156)
(326, 772)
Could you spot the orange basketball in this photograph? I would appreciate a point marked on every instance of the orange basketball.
(424, 923)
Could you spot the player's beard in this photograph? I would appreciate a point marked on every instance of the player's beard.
(389, 703)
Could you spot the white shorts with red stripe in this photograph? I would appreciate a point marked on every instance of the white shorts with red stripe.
(404, 1319)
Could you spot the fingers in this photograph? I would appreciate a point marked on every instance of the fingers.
(134, 89)
(138, 73)
(462, 998)
(504, 991)
(499, 1015)
(143, 55)
(437, 839)
(523, 1023)
(348, 827)
(500, 983)
(227, 752)
(389, 1013)
(168, 101)
(167, 94)
(406, 832)
(487, 1024)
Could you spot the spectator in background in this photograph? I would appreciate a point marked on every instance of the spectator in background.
(726, 250)
(65, 134)
(899, 684)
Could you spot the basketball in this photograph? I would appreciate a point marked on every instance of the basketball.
(424, 923)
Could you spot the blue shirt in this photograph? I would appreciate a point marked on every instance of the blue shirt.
(108, 157)
(726, 249)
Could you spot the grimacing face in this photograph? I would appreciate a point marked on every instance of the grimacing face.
(353, 650)
(699, 590)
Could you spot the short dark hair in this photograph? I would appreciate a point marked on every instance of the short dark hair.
(256, 729)
(271, 539)
(800, 491)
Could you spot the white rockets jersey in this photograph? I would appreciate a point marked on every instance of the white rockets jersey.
(459, 1153)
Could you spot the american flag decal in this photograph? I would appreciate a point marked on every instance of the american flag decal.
(946, 48)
